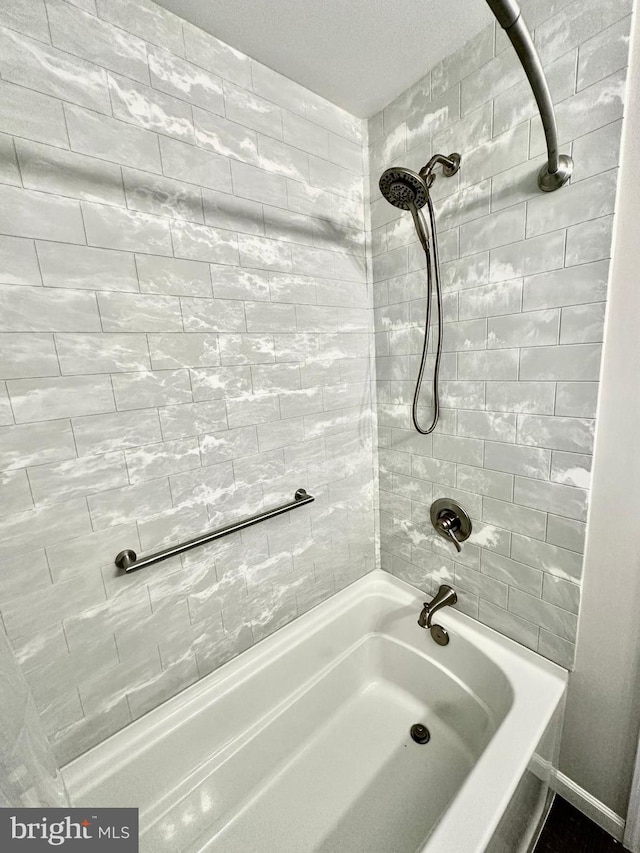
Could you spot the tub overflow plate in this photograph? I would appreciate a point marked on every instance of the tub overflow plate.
(420, 733)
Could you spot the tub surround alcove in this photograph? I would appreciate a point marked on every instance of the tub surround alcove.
(205, 304)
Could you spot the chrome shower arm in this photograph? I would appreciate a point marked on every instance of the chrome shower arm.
(557, 171)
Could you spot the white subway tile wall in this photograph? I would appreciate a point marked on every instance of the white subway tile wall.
(185, 339)
(524, 278)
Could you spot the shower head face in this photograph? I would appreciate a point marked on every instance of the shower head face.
(403, 188)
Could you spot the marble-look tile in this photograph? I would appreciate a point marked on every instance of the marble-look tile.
(513, 626)
(251, 111)
(202, 486)
(188, 163)
(560, 622)
(137, 312)
(32, 115)
(263, 253)
(109, 139)
(577, 24)
(584, 200)
(490, 301)
(31, 569)
(533, 462)
(146, 20)
(154, 461)
(84, 35)
(572, 469)
(137, 104)
(28, 17)
(580, 362)
(551, 497)
(233, 214)
(54, 170)
(500, 426)
(566, 533)
(212, 315)
(106, 353)
(259, 184)
(518, 519)
(561, 593)
(277, 88)
(589, 241)
(77, 478)
(15, 493)
(434, 116)
(485, 587)
(187, 419)
(59, 397)
(52, 72)
(175, 277)
(6, 415)
(492, 231)
(480, 481)
(203, 243)
(25, 213)
(557, 561)
(334, 118)
(27, 355)
(225, 137)
(589, 109)
(514, 574)
(209, 52)
(186, 81)
(557, 433)
(280, 158)
(521, 396)
(146, 389)
(29, 531)
(33, 444)
(175, 351)
(457, 449)
(570, 286)
(577, 399)
(228, 445)
(526, 257)
(534, 328)
(487, 82)
(115, 506)
(19, 262)
(556, 649)
(594, 152)
(9, 169)
(162, 196)
(112, 228)
(492, 365)
(582, 323)
(104, 433)
(456, 66)
(85, 268)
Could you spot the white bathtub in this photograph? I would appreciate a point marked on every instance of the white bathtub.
(302, 743)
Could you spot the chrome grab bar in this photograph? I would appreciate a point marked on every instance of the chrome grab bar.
(558, 168)
(128, 561)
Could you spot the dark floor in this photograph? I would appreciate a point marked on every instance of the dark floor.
(569, 831)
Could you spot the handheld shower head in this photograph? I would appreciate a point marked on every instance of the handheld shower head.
(409, 190)
(403, 188)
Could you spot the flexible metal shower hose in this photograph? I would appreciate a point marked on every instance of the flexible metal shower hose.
(433, 271)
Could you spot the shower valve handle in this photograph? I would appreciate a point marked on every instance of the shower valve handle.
(451, 521)
(447, 522)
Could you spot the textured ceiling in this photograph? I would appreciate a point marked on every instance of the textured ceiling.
(358, 54)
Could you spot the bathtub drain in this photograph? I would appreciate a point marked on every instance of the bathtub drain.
(420, 733)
